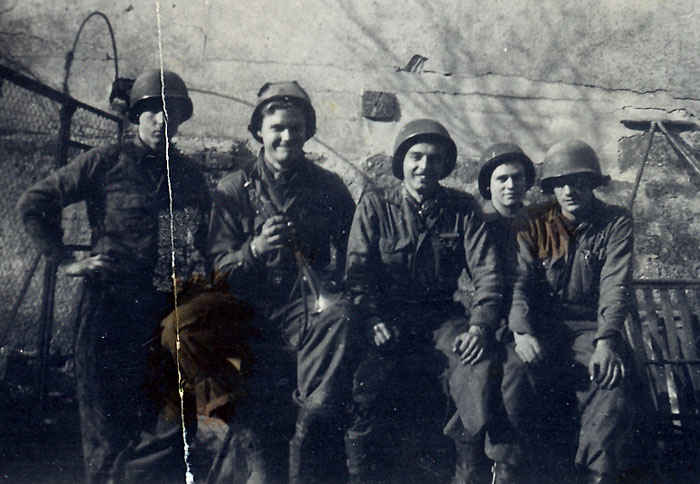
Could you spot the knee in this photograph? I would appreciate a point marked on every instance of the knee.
(613, 401)
(337, 319)
(515, 373)
(477, 378)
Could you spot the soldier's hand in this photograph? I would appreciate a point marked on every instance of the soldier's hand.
(528, 348)
(606, 367)
(470, 345)
(276, 233)
(93, 265)
(383, 334)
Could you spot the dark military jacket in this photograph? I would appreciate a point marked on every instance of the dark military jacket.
(125, 188)
(504, 232)
(579, 274)
(402, 254)
(314, 198)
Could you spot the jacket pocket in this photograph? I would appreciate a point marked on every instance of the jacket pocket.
(450, 260)
(396, 252)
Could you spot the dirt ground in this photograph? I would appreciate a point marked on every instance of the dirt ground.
(42, 444)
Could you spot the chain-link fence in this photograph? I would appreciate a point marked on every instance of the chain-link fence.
(40, 130)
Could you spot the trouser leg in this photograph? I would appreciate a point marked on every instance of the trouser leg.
(110, 357)
(325, 359)
(470, 386)
(368, 423)
(467, 386)
(495, 400)
(515, 411)
(606, 416)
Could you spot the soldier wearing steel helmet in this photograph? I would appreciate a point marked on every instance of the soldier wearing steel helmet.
(273, 227)
(125, 190)
(407, 248)
(506, 173)
(571, 297)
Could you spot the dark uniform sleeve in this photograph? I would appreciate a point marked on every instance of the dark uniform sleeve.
(520, 316)
(40, 206)
(615, 277)
(363, 264)
(228, 241)
(484, 268)
(203, 202)
(343, 208)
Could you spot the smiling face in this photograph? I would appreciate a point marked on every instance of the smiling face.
(423, 166)
(508, 185)
(574, 193)
(283, 133)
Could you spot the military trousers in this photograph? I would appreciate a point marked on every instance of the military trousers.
(407, 382)
(599, 421)
(495, 402)
(115, 325)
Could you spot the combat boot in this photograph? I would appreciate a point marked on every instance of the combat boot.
(303, 461)
(593, 477)
(471, 466)
(362, 468)
(504, 473)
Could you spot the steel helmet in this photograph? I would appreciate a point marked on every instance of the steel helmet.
(498, 154)
(570, 157)
(289, 91)
(148, 86)
(421, 130)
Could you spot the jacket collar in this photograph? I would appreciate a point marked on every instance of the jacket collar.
(596, 216)
(398, 194)
(263, 171)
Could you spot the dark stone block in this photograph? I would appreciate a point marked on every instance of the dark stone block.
(380, 106)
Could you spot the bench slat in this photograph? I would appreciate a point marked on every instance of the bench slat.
(683, 384)
(649, 351)
(653, 320)
(672, 338)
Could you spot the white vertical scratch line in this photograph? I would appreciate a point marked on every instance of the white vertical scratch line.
(189, 477)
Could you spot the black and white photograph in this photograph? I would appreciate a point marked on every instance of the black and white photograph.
(350, 242)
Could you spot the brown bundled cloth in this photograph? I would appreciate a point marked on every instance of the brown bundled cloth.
(214, 356)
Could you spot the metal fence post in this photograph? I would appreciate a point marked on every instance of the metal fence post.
(66, 115)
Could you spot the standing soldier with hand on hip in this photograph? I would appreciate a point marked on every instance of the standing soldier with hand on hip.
(570, 300)
(125, 188)
(407, 249)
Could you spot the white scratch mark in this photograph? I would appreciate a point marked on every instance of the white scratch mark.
(189, 477)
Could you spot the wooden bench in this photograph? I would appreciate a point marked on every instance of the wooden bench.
(663, 330)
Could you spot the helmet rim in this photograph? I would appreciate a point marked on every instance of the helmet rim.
(422, 129)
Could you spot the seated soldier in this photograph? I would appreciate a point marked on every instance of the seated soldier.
(406, 251)
(272, 229)
(570, 297)
(505, 175)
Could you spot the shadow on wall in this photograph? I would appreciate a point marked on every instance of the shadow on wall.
(508, 111)
(429, 101)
